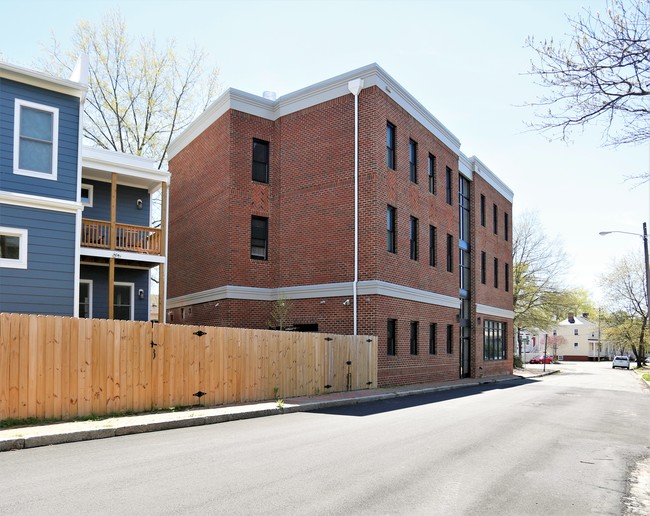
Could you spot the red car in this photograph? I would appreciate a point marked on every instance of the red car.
(541, 360)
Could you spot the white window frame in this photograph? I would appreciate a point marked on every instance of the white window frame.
(90, 188)
(21, 262)
(90, 296)
(55, 139)
(132, 297)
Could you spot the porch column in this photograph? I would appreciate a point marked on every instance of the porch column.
(111, 261)
(162, 269)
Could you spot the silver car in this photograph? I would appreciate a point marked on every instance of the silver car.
(621, 362)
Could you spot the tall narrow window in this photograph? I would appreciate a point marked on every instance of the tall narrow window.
(260, 161)
(432, 174)
(390, 145)
(448, 185)
(483, 266)
(507, 277)
(433, 338)
(35, 140)
(496, 273)
(86, 299)
(259, 238)
(414, 238)
(414, 337)
(506, 226)
(391, 225)
(450, 253)
(450, 338)
(123, 301)
(433, 244)
(495, 221)
(391, 336)
(482, 210)
(413, 161)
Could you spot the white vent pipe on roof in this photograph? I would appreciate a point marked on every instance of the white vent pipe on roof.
(270, 95)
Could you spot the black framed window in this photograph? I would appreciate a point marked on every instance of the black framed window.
(414, 238)
(432, 174)
(390, 145)
(260, 161)
(433, 244)
(496, 273)
(482, 210)
(391, 220)
(483, 266)
(494, 340)
(448, 185)
(391, 337)
(450, 253)
(495, 217)
(259, 238)
(414, 337)
(450, 338)
(506, 226)
(506, 273)
(413, 160)
(433, 338)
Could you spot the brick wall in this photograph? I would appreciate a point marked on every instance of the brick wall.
(310, 205)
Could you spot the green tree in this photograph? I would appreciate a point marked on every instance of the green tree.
(140, 94)
(280, 312)
(600, 75)
(625, 289)
(537, 266)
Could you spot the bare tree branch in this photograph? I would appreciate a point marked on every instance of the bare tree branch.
(141, 95)
(602, 75)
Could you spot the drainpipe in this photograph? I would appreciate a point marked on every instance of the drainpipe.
(355, 87)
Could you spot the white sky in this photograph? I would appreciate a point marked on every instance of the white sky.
(464, 60)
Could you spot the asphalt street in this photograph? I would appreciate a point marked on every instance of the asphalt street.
(563, 444)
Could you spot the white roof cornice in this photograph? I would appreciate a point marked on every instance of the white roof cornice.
(100, 163)
(372, 75)
(42, 80)
(481, 169)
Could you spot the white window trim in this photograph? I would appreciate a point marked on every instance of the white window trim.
(55, 140)
(21, 262)
(131, 296)
(90, 296)
(90, 188)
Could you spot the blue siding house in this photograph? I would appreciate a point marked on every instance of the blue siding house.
(76, 228)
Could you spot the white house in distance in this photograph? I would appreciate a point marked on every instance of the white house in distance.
(578, 338)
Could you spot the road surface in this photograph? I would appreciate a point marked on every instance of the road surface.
(564, 444)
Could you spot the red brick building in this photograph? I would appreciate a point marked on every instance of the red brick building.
(262, 207)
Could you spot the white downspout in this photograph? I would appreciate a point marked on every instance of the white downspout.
(355, 87)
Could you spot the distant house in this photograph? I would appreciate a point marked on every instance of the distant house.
(75, 222)
(577, 338)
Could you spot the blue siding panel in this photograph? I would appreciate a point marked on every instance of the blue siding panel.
(127, 197)
(99, 277)
(47, 285)
(65, 187)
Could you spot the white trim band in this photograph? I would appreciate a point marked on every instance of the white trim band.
(365, 288)
(39, 202)
(495, 312)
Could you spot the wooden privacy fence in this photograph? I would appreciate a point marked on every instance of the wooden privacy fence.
(63, 367)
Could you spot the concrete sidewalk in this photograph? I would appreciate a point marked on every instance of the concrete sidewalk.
(18, 438)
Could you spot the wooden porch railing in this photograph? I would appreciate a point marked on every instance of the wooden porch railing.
(138, 239)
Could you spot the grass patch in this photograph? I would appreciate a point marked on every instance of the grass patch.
(646, 377)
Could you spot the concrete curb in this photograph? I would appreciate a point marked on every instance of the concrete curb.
(20, 443)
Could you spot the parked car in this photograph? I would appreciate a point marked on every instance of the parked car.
(621, 361)
(541, 360)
